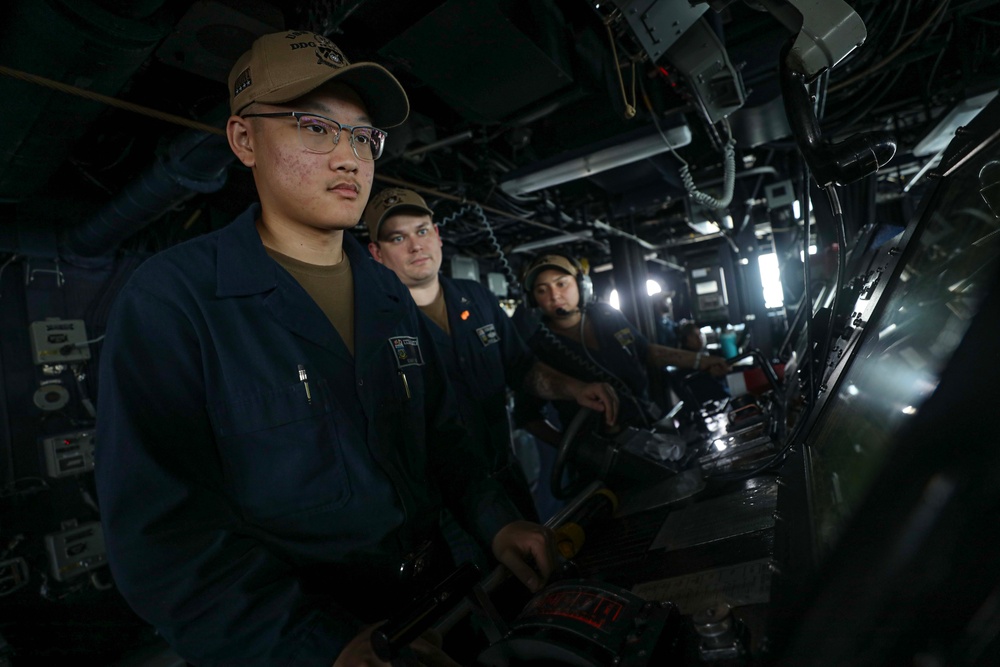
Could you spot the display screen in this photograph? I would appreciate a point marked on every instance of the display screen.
(949, 264)
(707, 287)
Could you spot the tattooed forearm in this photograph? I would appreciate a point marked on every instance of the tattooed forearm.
(660, 356)
(546, 382)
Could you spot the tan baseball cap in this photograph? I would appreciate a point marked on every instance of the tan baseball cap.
(391, 200)
(544, 262)
(284, 66)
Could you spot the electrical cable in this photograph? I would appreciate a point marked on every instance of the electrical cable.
(586, 350)
(590, 364)
(868, 100)
(461, 200)
(95, 581)
(860, 89)
(807, 289)
(728, 175)
(822, 84)
(111, 101)
(775, 460)
(629, 107)
(902, 27)
(838, 215)
(477, 210)
(877, 22)
(895, 54)
(508, 271)
(10, 489)
(816, 356)
(937, 61)
(728, 169)
(79, 375)
(448, 219)
(874, 43)
(3, 266)
(88, 498)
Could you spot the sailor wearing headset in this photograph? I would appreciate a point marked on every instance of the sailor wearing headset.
(481, 348)
(593, 341)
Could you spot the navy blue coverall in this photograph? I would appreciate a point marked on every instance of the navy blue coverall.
(257, 515)
(622, 352)
(484, 355)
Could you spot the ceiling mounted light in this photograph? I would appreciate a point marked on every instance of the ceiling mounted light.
(615, 152)
(531, 246)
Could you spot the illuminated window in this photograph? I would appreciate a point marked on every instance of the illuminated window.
(770, 277)
(652, 287)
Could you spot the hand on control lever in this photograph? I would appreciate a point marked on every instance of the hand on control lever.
(527, 550)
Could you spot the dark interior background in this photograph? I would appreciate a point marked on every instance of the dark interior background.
(496, 87)
(108, 154)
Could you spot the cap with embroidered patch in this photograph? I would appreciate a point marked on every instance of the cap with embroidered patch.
(284, 66)
(548, 262)
(380, 206)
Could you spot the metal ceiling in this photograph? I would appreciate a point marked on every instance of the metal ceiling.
(497, 87)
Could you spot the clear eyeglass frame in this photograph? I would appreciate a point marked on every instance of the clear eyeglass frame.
(319, 134)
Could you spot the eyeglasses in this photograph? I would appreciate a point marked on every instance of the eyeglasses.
(319, 134)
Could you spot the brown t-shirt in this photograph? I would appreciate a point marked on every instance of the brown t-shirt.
(438, 312)
(331, 287)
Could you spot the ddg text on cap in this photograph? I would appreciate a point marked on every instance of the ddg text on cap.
(284, 66)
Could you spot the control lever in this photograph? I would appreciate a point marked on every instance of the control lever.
(501, 573)
(571, 535)
(769, 373)
(397, 632)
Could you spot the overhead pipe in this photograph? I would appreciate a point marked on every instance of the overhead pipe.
(195, 163)
(443, 143)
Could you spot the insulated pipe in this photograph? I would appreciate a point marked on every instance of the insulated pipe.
(197, 162)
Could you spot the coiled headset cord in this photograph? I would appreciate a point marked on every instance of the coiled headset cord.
(591, 365)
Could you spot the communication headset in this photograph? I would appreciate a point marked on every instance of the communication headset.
(584, 284)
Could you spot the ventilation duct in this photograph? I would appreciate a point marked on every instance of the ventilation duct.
(74, 42)
(196, 162)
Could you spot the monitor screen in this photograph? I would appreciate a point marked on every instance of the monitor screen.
(945, 270)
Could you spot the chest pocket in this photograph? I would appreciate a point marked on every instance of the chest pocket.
(282, 450)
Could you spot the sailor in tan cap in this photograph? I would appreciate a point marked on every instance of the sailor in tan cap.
(593, 340)
(482, 350)
(277, 436)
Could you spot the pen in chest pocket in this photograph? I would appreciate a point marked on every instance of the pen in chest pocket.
(304, 379)
(406, 384)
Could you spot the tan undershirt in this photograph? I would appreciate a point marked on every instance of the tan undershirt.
(331, 287)
(438, 312)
